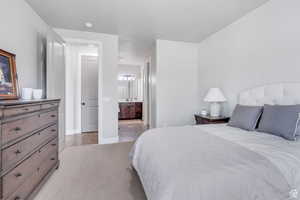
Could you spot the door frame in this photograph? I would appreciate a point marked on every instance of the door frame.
(100, 79)
(51, 88)
(146, 93)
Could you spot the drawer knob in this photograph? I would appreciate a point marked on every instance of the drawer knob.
(53, 115)
(17, 198)
(18, 175)
(17, 129)
(52, 158)
(53, 144)
(53, 130)
(25, 109)
(18, 152)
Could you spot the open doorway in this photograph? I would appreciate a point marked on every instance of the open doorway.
(131, 102)
(82, 80)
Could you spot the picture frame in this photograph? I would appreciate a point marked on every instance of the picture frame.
(8, 76)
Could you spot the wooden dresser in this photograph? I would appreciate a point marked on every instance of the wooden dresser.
(29, 146)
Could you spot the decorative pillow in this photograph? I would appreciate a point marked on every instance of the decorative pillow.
(281, 120)
(245, 117)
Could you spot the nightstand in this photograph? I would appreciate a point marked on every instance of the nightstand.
(200, 119)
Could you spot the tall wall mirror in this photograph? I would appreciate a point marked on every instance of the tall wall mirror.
(130, 83)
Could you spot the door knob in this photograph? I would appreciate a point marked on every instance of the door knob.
(83, 103)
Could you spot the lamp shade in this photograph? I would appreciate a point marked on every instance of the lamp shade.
(215, 95)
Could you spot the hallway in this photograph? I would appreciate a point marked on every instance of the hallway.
(129, 130)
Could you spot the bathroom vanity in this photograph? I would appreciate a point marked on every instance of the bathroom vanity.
(130, 110)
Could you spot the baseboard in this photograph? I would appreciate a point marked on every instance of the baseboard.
(73, 132)
(109, 140)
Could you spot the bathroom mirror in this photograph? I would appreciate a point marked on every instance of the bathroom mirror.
(130, 84)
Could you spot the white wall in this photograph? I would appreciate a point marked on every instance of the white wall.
(73, 84)
(262, 47)
(130, 69)
(177, 83)
(22, 33)
(108, 83)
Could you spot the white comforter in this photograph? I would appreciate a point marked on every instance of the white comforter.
(216, 162)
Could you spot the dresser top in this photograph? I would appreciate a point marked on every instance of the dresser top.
(21, 102)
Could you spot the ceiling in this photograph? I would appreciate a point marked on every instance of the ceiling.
(140, 22)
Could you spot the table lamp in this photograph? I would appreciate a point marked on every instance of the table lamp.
(215, 97)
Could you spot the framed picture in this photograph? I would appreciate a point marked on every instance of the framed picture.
(8, 76)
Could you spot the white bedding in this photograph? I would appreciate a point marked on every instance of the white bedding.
(206, 162)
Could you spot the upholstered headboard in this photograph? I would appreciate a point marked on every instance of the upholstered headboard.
(281, 94)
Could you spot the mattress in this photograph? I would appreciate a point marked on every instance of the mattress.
(210, 162)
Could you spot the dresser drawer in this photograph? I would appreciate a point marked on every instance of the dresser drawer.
(19, 175)
(16, 152)
(50, 148)
(15, 129)
(13, 179)
(11, 155)
(48, 164)
(27, 187)
(48, 117)
(8, 112)
(49, 105)
(46, 134)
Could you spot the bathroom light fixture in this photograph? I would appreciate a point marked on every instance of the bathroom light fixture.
(88, 24)
(126, 77)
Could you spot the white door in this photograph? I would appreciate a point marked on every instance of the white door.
(89, 93)
(56, 78)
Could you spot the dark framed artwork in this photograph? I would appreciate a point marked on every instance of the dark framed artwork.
(8, 76)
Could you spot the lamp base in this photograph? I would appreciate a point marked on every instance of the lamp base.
(215, 109)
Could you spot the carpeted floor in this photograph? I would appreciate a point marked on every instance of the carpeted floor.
(94, 172)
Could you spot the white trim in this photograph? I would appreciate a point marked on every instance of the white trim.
(73, 132)
(111, 140)
(108, 104)
(99, 45)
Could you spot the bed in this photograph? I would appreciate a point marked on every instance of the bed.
(218, 162)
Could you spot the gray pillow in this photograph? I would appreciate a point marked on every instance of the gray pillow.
(245, 117)
(281, 120)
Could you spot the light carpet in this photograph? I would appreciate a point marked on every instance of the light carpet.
(94, 172)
